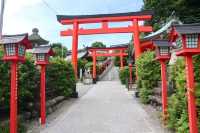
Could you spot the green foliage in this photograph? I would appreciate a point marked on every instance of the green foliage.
(29, 80)
(124, 75)
(60, 76)
(117, 61)
(59, 50)
(98, 45)
(148, 71)
(177, 105)
(4, 127)
(188, 11)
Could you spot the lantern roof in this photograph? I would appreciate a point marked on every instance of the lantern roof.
(161, 43)
(43, 50)
(187, 28)
(70, 17)
(16, 39)
(36, 38)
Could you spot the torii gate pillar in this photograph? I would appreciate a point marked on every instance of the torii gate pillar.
(94, 75)
(136, 41)
(75, 47)
(121, 59)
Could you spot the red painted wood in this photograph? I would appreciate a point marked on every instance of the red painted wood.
(43, 94)
(110, 54)
(130, 74)
(109, 19)
(164, 87)
(106, 30)
(94, 64)
(121, 59)
(13, 98)
(75, 47)
(108, 48)
(191, 96)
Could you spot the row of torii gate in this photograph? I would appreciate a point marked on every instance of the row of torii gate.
(188, 34)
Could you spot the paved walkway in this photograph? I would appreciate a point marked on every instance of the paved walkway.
(105, 108)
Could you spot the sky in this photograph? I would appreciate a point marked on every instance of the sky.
(21, 16)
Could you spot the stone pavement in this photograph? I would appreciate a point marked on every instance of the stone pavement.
(106, 108)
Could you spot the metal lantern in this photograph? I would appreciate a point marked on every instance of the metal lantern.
(14, 52)
(162, 49)
(186, 38)
(189, 36)
(42, 54)
(15, 46)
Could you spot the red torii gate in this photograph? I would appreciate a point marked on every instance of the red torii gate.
(93, 52)
(104, 19)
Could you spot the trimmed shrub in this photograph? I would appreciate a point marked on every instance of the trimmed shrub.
(124, 75)
(148, 71)
(60, 77)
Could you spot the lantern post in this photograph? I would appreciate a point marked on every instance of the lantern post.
(187, 38)
(163, 55)
(14, 51)
(42, 54)
(130, 62)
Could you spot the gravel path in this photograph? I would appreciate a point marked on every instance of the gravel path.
(106, 108)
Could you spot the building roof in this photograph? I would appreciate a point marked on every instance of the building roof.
(120, 45)
(154, 35)
(15, 39)
(187, 28)
(160, 43)
(36, 38)
(81, 53)
(43, 50)
(70, 17)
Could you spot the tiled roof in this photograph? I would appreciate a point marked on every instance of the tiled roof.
(8, 39)
(42, 49)
(162, 43)
(188, 28)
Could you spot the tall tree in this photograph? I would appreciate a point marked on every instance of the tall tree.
(59, 50)
(188, 11)
(98, 45)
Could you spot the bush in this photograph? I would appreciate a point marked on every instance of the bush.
(124, 75)
(60, 77)
(148, 71)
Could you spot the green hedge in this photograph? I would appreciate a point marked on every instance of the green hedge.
(60, 80)
(177, 107)
(148, 71)
(124, 75)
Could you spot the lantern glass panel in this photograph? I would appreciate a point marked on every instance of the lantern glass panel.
(179, 43)
(21, 50)
(10, 49)
(192, 40)
(164, 50)
(40, 57)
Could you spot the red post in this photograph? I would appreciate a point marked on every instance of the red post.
(94, 66)
(136, 41)
(13, 98)
(75, 47)
(164, 88)
(130, 75)
(190, 94)
(121, 59)
(43, 94)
